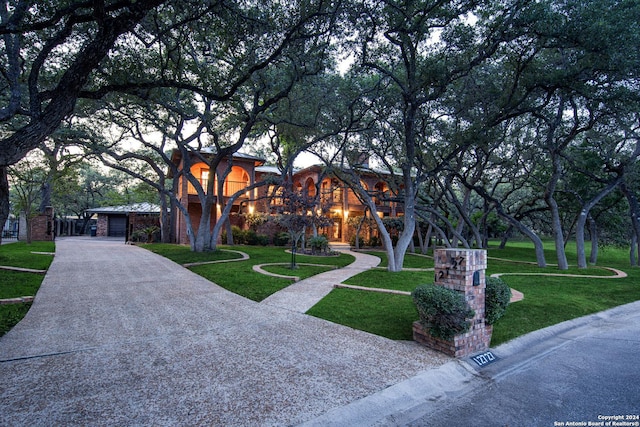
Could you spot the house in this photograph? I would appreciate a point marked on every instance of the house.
(339, 202)
(336, 200)
(242, 174)
(124, 220)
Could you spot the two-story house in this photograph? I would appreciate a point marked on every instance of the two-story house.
(335, 200)
(242, 175)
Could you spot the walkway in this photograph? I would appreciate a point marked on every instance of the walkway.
(118, 336)
(303, 295)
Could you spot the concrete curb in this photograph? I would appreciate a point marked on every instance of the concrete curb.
(405, 401)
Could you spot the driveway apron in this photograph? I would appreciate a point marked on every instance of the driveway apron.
(119, 335)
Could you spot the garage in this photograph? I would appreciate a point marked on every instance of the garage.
(117, 226)
(123, 221)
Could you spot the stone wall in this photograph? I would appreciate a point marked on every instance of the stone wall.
(462, 270)
(103, 225)
(42, 226)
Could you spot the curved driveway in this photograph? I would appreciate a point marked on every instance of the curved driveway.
(118, 335)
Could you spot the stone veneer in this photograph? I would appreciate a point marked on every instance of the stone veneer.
(454, 269)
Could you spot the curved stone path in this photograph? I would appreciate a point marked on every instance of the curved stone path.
(303, 295)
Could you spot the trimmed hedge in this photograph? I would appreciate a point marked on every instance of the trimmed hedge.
(496, 299)
(443, 311)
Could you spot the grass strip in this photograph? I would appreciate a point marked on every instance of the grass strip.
(15, 284)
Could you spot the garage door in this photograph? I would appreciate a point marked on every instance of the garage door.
(117, 226)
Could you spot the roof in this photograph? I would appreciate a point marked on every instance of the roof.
(176, 155)
(141, 208)
(237, 154)
(268, 169)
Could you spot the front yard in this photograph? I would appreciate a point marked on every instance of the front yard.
(547, 300)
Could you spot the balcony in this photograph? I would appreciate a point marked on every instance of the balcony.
(230, 187)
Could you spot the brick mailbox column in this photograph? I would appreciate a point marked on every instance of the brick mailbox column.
(462, 270)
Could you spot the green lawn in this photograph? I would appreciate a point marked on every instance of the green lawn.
(15, 284)
(548, 300)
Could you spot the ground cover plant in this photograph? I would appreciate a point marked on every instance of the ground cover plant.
(15, 284)
(239, 277)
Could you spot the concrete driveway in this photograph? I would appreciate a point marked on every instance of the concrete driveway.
(120, 336)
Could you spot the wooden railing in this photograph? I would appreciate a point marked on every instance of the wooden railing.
(230, 187)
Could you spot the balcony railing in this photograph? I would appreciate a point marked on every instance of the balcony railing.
(230, 187)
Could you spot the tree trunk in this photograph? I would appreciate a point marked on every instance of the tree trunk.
(582, 220)
(634, 213)
(505, 236)
(558, 235)
(593, 233)
(556, 221)
(4, 198)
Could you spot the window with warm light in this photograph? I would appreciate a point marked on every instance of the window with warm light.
(204, 178)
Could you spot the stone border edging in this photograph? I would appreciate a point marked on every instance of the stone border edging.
(18, 300)
(258, 269)
(244, 256)
(619, 274)
(364, 288)
(22, 270)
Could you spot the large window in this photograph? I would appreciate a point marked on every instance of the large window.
(204, 178)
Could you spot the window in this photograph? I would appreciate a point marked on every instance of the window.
(204, 178)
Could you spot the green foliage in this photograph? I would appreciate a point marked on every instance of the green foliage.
(256, 219)
(374, 242)
(443, 311)
(387, 315)
(146, 234)
(247, 237)
(393, 223)
(281, 239)
(318, 244)
(496, 299)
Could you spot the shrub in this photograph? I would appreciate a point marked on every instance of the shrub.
(262, 239)
(374, 242)
(443, 311)
(238, 235)
(250, 237)
(318, 244)
(281, 239)
(496, 299)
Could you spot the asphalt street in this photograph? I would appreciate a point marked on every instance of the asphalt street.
(584, 375)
